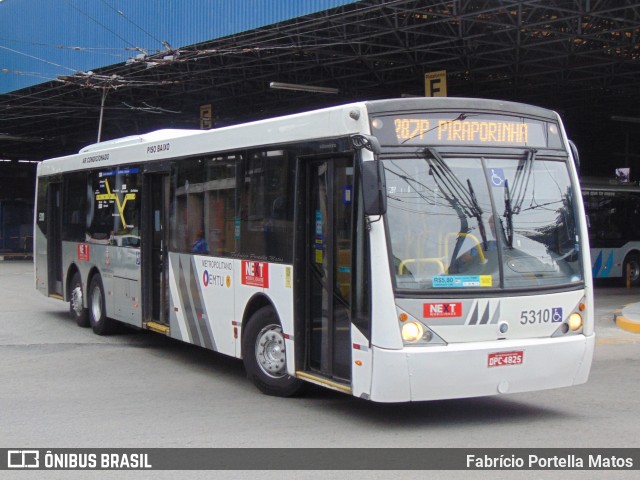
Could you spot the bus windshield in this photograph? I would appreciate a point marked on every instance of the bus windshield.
(481, 223)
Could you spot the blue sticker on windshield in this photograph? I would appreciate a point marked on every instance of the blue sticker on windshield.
(496, 175)
(462, 281)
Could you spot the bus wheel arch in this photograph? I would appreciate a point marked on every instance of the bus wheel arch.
(76, 297)
(263, 350)
(632, 261)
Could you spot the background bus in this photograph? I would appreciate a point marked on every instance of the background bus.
(613, 211)
(393, 250)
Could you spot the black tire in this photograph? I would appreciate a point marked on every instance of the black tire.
(633, 262)
(264, 355)
(97, 313)
(76, 299)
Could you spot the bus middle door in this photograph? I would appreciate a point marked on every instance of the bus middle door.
(155, 263)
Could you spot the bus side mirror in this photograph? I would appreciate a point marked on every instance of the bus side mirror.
(374, 191)
(575, 154)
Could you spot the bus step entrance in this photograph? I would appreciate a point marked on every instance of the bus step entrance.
(325, 382)
(157, 327)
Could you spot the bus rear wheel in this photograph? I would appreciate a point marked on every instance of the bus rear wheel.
(264, 355)
(100, 324)
(632, 263)
(76, 307)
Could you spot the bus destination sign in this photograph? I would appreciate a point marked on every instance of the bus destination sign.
(462, 129)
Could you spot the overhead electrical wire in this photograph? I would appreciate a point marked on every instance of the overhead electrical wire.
(122, 14)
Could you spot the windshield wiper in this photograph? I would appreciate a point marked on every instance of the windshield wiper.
(513, 205)
(521, 181)
(508, 215)
(477, 212)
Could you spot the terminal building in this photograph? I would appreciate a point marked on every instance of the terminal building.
(74, 73)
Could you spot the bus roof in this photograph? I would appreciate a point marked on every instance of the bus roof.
(155, 136)
(321, 124)
(164, 144)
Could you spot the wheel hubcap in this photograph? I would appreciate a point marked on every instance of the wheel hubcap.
(96, 305)
(270, 351)
(76, 300)
(634, 268)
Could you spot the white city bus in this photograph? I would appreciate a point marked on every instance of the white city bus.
(395, 250)
(613, 212)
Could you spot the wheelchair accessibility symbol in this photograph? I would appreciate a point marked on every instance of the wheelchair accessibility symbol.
(497, 177)
(556, 314)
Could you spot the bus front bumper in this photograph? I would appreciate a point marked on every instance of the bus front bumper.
(463, 370)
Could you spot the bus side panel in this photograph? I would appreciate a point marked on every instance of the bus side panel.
(280, 292)
(127, 290)
(275, 282)
(362, 365)
(609, 262)
(70, 256)
(119, 270)
(201, 305)
(605, 263)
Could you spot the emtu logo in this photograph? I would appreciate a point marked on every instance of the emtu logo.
(215, 280)
(23, 459)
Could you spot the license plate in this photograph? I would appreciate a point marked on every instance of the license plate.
(503, 359)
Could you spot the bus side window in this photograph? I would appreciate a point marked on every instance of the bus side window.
(74, 207)
(188, 218)
(266, 218)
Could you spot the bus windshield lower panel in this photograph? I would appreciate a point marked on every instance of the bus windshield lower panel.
(481, 223)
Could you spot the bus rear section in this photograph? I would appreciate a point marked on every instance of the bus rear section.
(613, 211)
(489, 290)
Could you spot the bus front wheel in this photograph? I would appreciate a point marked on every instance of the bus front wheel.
(632, 264)
(97, 313)
(264, 355)
(76, 307)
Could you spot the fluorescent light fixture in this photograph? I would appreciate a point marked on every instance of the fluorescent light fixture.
(618, 118)
(302, 88)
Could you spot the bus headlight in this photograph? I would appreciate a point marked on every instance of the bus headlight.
(575, 321)
(416, 333)
(412, 331)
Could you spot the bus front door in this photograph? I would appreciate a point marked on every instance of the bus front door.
(54, 239)
(154, 252)
(328, 198)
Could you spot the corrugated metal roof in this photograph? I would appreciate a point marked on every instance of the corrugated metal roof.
(42, 39)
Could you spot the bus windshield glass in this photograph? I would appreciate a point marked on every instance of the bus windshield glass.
(481, 223)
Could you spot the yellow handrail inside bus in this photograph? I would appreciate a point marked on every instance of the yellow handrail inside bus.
(483, 259)
(436, 261)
